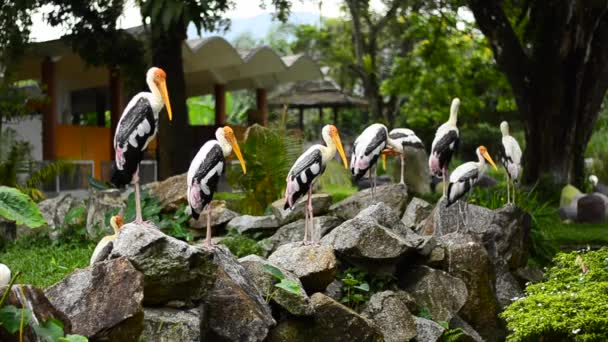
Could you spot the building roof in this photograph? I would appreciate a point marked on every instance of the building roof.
(314, 94)
(207, 61)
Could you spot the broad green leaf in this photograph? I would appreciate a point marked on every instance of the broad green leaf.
(290, 286)
(73, 338)
(275, 272)
(363, 287)
(10, 318)
(50, 330)
(97, 184)
(18, 207)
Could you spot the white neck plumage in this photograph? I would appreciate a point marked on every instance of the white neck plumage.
(224, 144)
(481, 164)
(453, 120)
(156, 100)
(329, 151)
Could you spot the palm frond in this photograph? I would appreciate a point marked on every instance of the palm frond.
(47, 173)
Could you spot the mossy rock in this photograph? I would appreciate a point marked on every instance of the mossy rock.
(568, 194)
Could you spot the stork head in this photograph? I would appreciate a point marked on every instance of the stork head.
(504, 128)
(158, 78)
(594, 180)
(116, 222)
(231, 139)
(330, 134)
(482, 153)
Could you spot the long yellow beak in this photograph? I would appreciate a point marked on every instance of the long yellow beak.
(163, 92)
(489, 159)
(383, 161)
(239, 155)
(338, 142)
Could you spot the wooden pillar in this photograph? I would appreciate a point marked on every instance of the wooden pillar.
(301, 119)
(49, 112)
(335, 110)
(219, 91)
(116, 103)
(261, 114)
(321, 115)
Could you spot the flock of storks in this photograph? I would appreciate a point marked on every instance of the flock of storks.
(139, 123)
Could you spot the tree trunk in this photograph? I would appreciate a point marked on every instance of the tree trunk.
(174, 137)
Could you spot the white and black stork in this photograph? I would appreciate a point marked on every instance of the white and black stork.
(407, 141)
(136, 128)
(443, 147)
(205, 171)
(307, 169)
(597, 186)
(465, 176)
(510, 158)
(367, 149)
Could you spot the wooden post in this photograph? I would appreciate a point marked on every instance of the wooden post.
(321, 115)
(335, 110)
(116, 103)
(49, 112)
(219, 91)
(261, 114)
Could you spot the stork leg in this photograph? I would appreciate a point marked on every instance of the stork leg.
(513, 197)
(508, 190)
(138, 216)
(402, 168)
(374, 182)
(305, 223)
(208, 235)
(311, 224)
(445, 181)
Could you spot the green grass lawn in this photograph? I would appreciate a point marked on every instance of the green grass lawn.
(43, 263)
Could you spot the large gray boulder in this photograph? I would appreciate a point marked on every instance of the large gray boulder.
(469, 334)
(591, 209)
(170, 325)
(336, 322)
(103, 301)
(314, 264)
(235, 309)
(393, 195)
(505, 232)
(171, 192)
(42, 309)
(294, 232)
(392, 316)
(266, 225)
(100, 206)
(320, 206)
(507, 289)
(468, 260)
(173, 270)
(386, 216)
(443, 294)
(54, 211)
(220, 215)
(295, 303)
(427, 330)
(417, 211)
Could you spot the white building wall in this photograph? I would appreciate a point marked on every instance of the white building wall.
(29, 129)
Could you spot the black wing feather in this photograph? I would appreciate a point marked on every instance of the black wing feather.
(304, 167)
(443, 149)
(215, 156)
(468, 180)
(378, 140)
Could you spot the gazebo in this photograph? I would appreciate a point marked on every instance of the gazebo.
(320, 94)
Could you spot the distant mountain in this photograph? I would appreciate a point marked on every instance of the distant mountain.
(258, 25)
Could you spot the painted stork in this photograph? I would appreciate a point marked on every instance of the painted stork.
(464, 177)
(138, 126)
(445, 143)
(104, 246)
(205, 171)
(367, 149)
(307, 169)
(510, 159)
(406, 141)
(5, 275)
(597, 186)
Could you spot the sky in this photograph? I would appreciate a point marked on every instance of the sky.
(243, 9)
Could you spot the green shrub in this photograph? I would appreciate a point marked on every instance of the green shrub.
(570, 304)
(241, 245)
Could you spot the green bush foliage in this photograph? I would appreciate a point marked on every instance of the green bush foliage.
(241, 245)
(570, 304)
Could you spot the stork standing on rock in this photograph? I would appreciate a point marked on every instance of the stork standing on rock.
(510, 159)
(136, 128)
(443, 147)
(367, 149)
(307, 169)
(104, 246)
(205, 171)
(406, 141)
(597, 186)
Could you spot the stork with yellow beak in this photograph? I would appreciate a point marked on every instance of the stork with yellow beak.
(136, 128)
(307, 169)
(105, 245)
(205, 171)
(465, 176)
